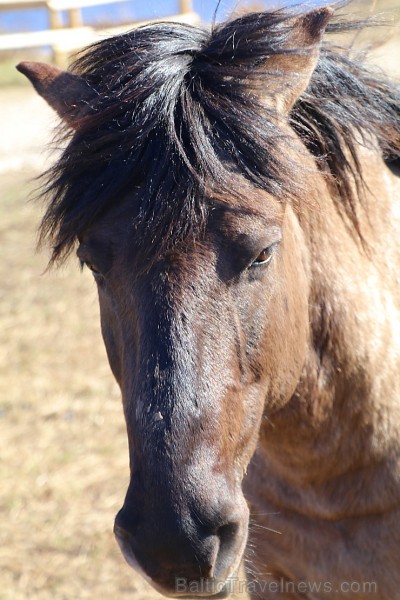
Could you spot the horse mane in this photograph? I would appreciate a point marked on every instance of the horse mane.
(173, 116)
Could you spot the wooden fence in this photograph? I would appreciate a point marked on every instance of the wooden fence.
(65, 39)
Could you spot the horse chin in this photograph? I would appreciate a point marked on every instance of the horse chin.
(205, 588)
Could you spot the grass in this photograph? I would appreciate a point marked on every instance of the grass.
(64, 457)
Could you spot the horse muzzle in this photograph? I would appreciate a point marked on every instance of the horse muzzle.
(189, 560)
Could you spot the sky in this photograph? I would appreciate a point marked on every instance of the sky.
(130, 10)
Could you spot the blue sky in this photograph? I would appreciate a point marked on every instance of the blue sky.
(132, 9)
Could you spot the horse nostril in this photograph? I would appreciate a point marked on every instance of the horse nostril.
(227, 535)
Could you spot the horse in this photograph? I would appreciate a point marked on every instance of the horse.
(233, 191)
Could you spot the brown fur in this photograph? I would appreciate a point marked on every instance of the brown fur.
(326, 470)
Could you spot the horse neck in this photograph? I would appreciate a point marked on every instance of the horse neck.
(341, 422)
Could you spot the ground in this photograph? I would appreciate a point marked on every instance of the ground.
(63, 451)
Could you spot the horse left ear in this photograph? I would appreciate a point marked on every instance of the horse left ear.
(289, 72)
(68, 94)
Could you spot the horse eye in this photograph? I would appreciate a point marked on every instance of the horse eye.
(263, 258)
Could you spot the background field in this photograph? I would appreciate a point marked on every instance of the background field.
(63, 451)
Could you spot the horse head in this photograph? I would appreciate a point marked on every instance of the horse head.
(180, 211)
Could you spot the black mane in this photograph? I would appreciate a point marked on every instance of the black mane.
(173, 116)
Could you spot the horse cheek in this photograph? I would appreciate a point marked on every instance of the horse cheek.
(286, 341)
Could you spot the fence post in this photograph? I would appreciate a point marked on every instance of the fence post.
(55, 18)
(186, 6)
(75, 17)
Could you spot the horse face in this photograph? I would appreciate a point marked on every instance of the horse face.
(203, 341)
(207, 337)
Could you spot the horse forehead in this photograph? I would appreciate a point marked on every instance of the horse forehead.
(236, 222)
(247, 210)
(251, 218)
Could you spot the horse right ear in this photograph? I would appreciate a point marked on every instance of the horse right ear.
(291, 67)
(68, 94)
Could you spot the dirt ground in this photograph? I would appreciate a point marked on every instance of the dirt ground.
(63, 450)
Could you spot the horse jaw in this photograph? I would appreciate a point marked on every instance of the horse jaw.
(68, 94)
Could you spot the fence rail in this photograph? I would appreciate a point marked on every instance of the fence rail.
(64, 39)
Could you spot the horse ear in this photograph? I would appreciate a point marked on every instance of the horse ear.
(290, 71)
(66, 93)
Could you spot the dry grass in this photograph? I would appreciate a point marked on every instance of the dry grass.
(64, 460)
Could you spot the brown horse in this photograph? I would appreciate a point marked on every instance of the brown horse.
(231, 194)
